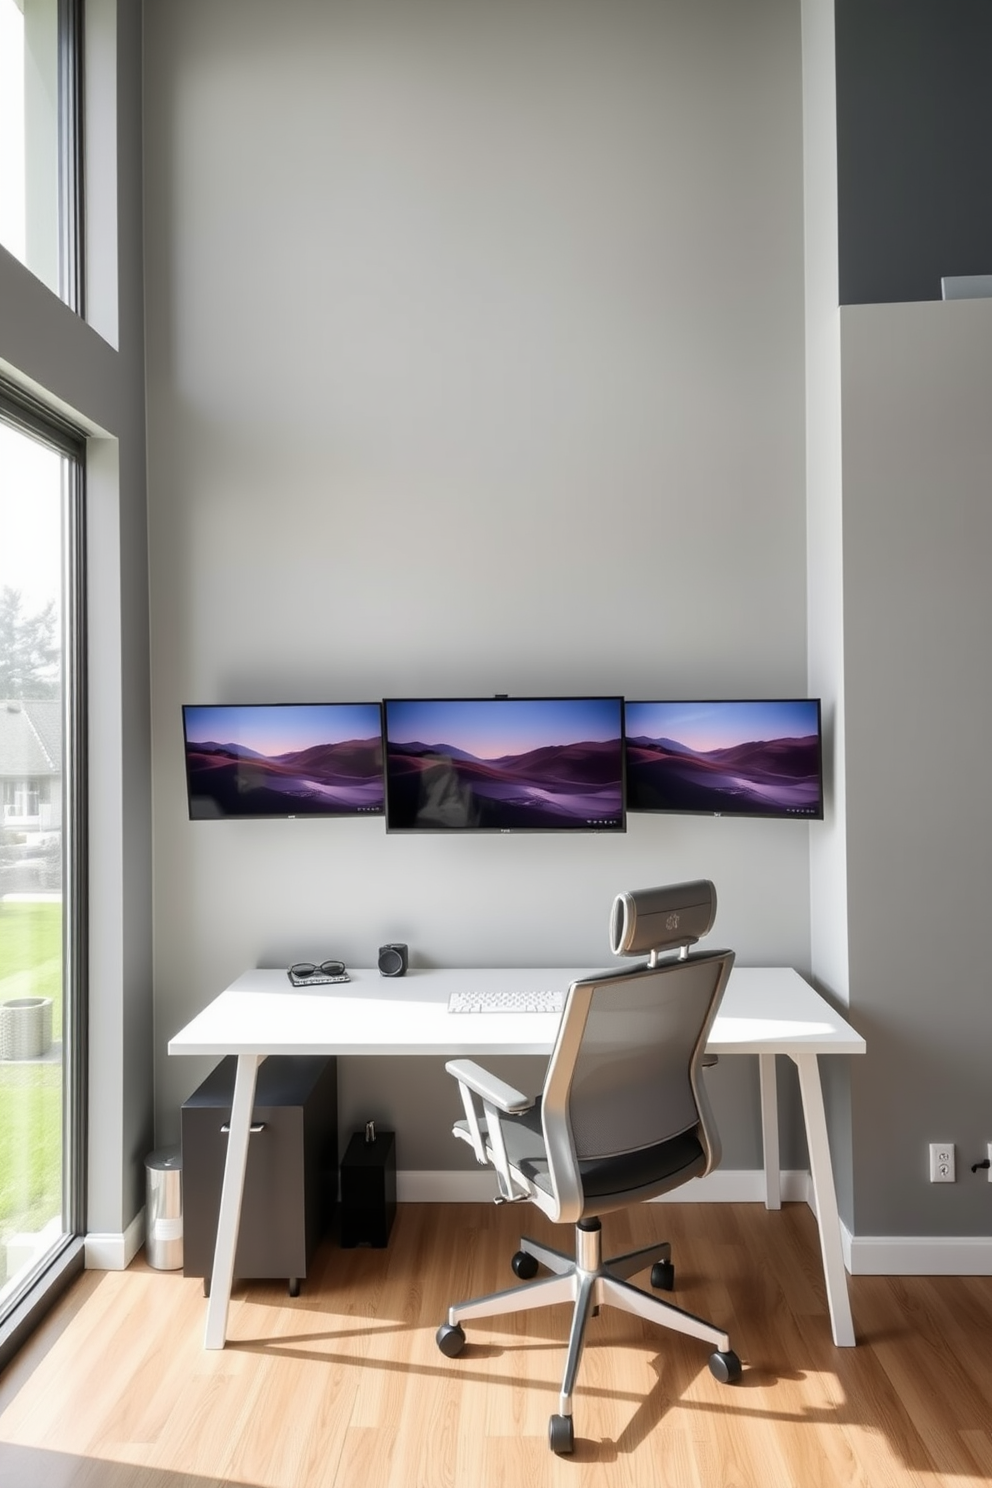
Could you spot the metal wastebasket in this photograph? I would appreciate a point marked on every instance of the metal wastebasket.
(164, 1209)
(25, 1028)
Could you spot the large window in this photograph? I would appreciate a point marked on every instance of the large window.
(39, 139)
(42, 903)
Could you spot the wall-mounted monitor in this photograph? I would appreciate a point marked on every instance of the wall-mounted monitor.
(504, 765)
(726, 758)
(284, 760)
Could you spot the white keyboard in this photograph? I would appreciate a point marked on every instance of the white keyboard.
(498, 1000)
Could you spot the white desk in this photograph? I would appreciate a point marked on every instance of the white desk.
(764, 1012)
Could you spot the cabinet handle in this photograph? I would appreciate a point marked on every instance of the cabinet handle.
(257, 1127)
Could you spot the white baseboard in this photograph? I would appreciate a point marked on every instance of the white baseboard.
(739, 1186)
(725, 1186)
(445, 1186)
(864, 1255)
(110, 1252)
(916, 1255)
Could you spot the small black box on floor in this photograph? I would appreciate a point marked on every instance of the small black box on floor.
(368, 1190)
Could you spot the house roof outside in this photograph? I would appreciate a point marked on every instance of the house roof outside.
(30, 738)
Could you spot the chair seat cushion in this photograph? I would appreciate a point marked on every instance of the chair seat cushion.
(656, 1169)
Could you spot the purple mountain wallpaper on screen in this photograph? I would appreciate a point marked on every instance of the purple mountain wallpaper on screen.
(725, 758)
(287, 759)
(504, 765)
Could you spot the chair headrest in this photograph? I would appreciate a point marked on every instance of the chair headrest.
(662, 919)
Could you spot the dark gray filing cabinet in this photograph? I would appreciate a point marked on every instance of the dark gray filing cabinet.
(291, 1180)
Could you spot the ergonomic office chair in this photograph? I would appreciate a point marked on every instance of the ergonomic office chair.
(623, 1117)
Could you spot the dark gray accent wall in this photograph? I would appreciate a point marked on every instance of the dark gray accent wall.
(914, 145)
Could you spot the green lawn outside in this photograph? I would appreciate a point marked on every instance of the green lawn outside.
(30, 1146)
(30, 1093)
(31, 954)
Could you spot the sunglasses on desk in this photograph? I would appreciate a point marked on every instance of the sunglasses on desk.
(317, 971)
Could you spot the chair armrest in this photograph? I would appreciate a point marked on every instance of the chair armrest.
(489, 1088)
(496, 1096)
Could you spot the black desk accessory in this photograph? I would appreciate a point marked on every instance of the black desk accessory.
(393, 959)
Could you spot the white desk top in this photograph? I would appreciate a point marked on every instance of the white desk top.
(765, 1010)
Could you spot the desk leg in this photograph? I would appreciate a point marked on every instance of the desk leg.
(769, 1131)
(229, 1217)
(825, 1199)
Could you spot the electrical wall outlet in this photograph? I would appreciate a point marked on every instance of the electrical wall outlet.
(942, 1162)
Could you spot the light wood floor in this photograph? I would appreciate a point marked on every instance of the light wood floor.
(344, 1386)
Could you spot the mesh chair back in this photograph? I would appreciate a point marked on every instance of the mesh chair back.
(625, 1074)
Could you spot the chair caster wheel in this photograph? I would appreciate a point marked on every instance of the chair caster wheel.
(450, 1339)
(561, 1435)
(663, 1276)
(524, 1265)
(726, 1367)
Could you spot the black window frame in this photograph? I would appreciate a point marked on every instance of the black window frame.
(71, 156)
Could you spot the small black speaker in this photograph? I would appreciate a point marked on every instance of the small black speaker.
(393, 960)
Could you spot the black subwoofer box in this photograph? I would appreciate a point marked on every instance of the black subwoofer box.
(368, 1190)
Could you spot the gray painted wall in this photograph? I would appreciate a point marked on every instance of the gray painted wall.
(475, 364)
(918, 615)
(829, 960)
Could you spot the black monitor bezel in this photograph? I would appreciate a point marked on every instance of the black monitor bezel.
(377, 813)
(778, 815)
(423, 830)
